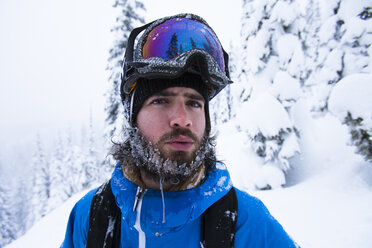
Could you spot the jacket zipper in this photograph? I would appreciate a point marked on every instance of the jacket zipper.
(137, 207)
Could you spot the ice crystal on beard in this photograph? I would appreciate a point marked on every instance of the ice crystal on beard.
(145, 155)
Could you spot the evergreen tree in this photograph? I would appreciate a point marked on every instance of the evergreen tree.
(7, 223)
(92, 168)
(360, 137)
(58, 173)
(272, 47)
(223, 106)
(344, 52)
(295, 51)
(338, 50)
(172, 51)
(72, 161)
(22, 200)
(130, 16)
(193, 45)
(42, 180)
(350, 101)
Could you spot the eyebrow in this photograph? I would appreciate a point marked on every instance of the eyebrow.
(193, 96)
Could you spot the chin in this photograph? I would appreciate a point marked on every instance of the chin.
(179, 156)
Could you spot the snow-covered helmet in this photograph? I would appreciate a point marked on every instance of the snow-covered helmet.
(169, 48)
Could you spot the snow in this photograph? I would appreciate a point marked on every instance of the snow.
(290, 146)
(327, 29)
(50, 230)
(284, 7)
(327, 211)
(286, 46)
(285, 87)
(327, 7)
(255, 114)
(351, 8)
(270, 175)
(331, 206)
(353, 94)
(221, 182)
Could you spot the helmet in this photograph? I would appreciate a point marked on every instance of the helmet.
(172, 46)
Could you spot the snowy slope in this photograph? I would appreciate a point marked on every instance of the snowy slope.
(320, 212)
(323, 212)
(50, 230)
(329, 204)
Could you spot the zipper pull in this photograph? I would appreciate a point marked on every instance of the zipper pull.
(139, 194)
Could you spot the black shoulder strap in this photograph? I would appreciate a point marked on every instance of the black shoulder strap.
(104, 215)
(217, 230)
(219, 222)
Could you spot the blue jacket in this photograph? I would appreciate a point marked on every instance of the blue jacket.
(183, 209)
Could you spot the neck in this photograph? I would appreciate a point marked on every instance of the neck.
(144, 179)
(150, 182)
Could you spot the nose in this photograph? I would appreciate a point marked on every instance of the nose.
(180, 117)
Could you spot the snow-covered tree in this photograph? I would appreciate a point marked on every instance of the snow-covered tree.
(342, 46)
(93, 170)
(42, 180)
(271, 135)
(72, 161)
(350, 101)
(223, 106)
(130, 15)
(274, 69)
(58, 172)
(22, 200)
(300, 50)
(8, 230)
(344, 52)
(220, 107)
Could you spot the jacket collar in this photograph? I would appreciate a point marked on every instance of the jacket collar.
(180, 206)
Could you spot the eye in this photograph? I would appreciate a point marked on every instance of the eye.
(157, 101)
(195, 104)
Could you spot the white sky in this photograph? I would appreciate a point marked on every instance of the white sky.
(53, 56)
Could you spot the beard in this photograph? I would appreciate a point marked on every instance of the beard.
(176, 166)
(160, 163)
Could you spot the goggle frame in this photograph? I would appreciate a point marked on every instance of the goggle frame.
(135, 66)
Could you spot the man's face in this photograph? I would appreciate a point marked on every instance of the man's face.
(173, 120)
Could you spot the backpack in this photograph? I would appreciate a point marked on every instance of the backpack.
(218, 225)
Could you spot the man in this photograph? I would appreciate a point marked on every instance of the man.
(168, 189)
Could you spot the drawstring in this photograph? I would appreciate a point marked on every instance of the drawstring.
(162, 196)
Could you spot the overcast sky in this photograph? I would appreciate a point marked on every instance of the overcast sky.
(53, 56)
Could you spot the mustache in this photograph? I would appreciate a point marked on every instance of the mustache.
(176, 133)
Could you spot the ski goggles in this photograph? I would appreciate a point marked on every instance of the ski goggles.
(171, 46)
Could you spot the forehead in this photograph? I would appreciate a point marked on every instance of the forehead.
(180, 91)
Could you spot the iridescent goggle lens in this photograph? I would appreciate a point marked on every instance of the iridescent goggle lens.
(178, 35)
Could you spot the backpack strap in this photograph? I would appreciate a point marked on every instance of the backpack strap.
(217, 229)
(104, 219)
(219, 222)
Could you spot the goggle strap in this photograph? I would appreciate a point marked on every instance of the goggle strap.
(128, 57)
(131, 106)
(226, 58)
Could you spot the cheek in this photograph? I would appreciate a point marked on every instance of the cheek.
(199, 126)
(150, 126)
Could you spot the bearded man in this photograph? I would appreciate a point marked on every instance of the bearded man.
(168, 189)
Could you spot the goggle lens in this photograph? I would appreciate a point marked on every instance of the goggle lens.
(178, 35)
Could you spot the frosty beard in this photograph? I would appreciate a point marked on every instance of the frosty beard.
(174, 166)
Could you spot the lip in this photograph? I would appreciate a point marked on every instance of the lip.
(181, 143)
